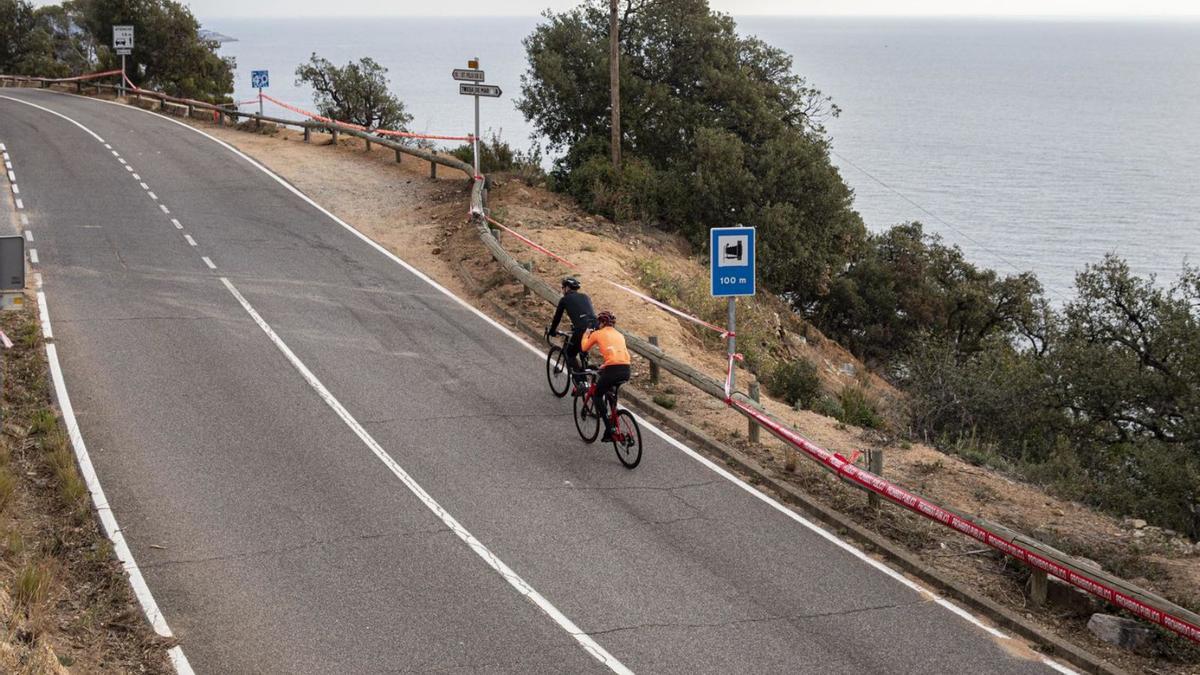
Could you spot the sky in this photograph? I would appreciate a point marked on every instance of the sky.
(1059, 8)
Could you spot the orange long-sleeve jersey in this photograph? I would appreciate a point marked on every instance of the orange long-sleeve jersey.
(612, 346)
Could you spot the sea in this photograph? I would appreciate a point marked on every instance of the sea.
(1033, 144)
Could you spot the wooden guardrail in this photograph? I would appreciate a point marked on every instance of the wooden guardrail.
(1041, 558)
(225, 111)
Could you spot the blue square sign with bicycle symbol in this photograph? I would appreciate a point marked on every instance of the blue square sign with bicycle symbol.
(260, 79)
(731, 253)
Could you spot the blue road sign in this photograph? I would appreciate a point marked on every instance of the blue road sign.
(260, 79)
(731, 252)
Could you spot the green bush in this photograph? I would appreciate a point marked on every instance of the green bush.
(828, 406)
(795, 382)
(664, 401)
(857, 409)
(497, 156)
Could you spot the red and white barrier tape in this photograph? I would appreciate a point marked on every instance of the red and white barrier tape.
(357, 127)
(641, 296)
(77, 78)
(921, 506)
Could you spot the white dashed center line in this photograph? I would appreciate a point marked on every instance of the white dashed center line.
(128, 168)
(12, 177)
(28, 235)
(190, 241)
(152, 195)
(208, 262)
(178, 225)
(116, 154)
(144, 186)
(136, 177)
(20, 204)
(121, 160)
(165, 209)
(16, 190)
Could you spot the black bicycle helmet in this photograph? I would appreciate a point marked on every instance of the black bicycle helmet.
(606, 318)
(571, 283)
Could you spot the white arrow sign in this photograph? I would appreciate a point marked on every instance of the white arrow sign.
(467, 75)
(479, 90)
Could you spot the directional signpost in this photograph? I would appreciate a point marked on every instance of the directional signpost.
(732, 265)
(260, 79)
(471, 84)
(123, 45)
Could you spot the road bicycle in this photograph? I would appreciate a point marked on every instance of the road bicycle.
(626, 436)
(558, 368)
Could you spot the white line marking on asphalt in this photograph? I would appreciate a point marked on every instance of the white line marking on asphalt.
(1055, 665)
(16, 190)
(37, 280)
(144, 186)
(12, 177)
(106, 145)
(3, 147)
(208, 262)
(190, 241)
(122, 160)
(178, 225)
(136, 177)
(180, 661)
(56, 114)
(128, 168)
(43, 315)
(165, 209)
(33, 257)
(24, 219)
(421, 275)
(28, 235)
(116, 154)
(589, 645)
(7, 163)
(20, 204)
(152, 195)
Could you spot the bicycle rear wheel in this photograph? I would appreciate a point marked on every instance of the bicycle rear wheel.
(627, 440)
(586, 422)
(557, 372)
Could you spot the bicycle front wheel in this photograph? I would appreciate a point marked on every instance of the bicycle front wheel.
(557, 373)
(627, 440)
(586, 422)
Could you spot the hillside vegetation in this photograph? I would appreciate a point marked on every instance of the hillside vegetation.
(1093, 397)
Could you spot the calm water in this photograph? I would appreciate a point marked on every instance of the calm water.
(1035, 144)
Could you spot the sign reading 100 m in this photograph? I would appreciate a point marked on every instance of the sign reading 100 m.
(731, 253)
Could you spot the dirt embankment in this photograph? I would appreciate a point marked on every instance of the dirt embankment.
(424, 222)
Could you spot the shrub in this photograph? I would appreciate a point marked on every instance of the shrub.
(664, 401)
(356, 93)
(795, 382)
(857, 409)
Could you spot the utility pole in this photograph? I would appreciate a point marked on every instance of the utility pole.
(614, 78)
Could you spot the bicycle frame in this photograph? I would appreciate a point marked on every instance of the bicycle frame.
(614, 416)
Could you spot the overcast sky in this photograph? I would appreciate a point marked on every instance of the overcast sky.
(1084, 8)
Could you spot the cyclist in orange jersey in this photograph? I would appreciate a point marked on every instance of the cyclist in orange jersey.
(615, 371)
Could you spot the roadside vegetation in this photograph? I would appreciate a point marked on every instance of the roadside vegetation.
(1093, 397)
(356, 93)
(65, 603)
(75, 37)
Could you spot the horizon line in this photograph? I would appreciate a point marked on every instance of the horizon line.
(1056, 17)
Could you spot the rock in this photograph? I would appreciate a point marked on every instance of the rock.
(437, 250)
(848, 369)
(793, 341)
(1137, 523)
(1125, 633)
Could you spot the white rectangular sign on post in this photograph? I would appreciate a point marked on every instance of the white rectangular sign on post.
(123, 39)
(479, 90)
(467, 75)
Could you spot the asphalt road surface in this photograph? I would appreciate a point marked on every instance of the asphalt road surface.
(323, 463)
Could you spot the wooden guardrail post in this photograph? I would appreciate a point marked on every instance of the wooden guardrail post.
(368, 142)
(307, 134)
(1039, 586)
(433, 168)
(875, 466)
(398, 155)
(752, 429)
(654, 366)
(333, 132)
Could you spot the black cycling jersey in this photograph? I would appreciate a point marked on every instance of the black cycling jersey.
(578, 307)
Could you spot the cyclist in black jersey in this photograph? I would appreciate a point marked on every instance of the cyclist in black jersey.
(578, 308)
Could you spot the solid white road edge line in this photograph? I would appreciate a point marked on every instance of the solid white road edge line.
(503, 329)
(56, 114)
(107, 520)
(589, 645)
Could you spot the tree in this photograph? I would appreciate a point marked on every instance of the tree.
(716, 130)
(169, 54)
(356, 93)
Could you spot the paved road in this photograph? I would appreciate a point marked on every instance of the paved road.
(274, 536)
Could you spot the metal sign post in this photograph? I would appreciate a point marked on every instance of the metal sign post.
(123, 45)
(734, 273)
(260, 79)
(472, 74)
